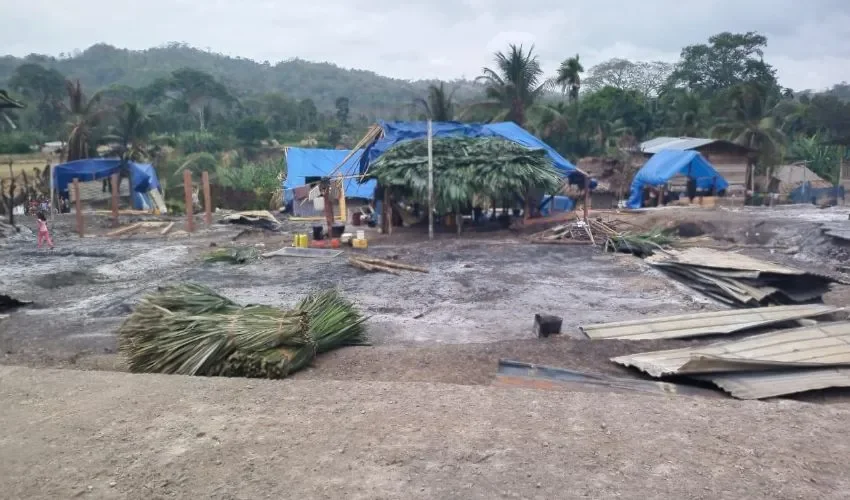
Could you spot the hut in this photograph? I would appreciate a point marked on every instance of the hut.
(732, 161)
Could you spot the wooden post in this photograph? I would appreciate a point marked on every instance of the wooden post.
(343, 208)
(388, 209)
(325, 190)
(78, 205)
(586, 199)
(187, 190)
(114, 181)
(205, 179)
(430, 183)
(526, 211)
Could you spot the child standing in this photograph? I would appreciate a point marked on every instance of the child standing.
(43, 234)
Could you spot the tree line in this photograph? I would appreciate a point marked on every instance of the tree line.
(723, 88)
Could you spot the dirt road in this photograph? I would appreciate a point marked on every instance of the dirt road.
(113, 435)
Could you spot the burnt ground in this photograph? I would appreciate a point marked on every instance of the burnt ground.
(453, 324)
(414, 415)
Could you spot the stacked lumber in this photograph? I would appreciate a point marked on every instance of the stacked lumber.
(741, 281)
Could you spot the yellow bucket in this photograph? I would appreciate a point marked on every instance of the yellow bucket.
(303, 242)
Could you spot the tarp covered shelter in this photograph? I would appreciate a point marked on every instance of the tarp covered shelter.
(304, 163)
(395, 132)
(143, 176)
(666, 164)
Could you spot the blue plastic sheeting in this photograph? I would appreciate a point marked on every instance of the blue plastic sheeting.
(667, 164)
(142, 176)
(805, 193)
(395, 132)
(302, 163)
(557, 204)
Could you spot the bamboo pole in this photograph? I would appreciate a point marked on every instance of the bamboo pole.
(114, 180)
(430, 183)
(343, 208)
(187, 191)
(78, 206)
(205, 179)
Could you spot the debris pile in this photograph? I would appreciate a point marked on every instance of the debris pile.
(189, 329)
(760, 366)
(799, 355)
(614, 236)
(741, 281)
(388, 266)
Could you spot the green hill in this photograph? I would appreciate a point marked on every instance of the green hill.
(101, 66)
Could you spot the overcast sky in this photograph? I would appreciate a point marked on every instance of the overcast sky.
(809, 42)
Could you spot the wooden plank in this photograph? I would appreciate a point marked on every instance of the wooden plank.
(167, 229)
(205, 178)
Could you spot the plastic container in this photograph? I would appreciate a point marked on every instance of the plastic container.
(337, 229)
(358, 243)
(355, 218)
(318, 232)
(361, 235)
(335, 243)
(303, 240)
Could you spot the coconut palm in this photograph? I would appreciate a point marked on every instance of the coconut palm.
(132, 133)
(750, 124)
(85, 116)
(513, 87)
(569, 77)
(438, 106)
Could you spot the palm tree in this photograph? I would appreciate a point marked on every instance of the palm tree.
(513, 87)
(85, 116)
(569, 77)
(750, 124)
(132, 133)
(438, 106)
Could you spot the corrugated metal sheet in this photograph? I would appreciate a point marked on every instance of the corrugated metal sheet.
(707, 323)
(715, 259)
(531, 376)
(676, 143)
(810, 347)
(761, 385)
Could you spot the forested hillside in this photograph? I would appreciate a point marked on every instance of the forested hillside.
(102, 66)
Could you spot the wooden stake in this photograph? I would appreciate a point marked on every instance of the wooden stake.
(205, 178)
(167, 229)
(325, 189)
(430, 183)
(586, 199)
(114, 181)
(78, 205)
(52, 189)
(187, 190)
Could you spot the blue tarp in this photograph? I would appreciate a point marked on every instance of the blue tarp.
(302, 163)
(142, 176)
(556, 204)
(395, 132)
(667, 164)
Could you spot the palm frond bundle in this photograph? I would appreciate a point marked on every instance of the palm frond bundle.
(233, 255)
(191, 330)
(464, 167)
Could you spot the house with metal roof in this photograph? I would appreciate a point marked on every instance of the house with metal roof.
(731, 160)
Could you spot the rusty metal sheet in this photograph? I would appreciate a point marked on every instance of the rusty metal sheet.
(821, 346)
(761, 385)
(716, 259)
(706, 323)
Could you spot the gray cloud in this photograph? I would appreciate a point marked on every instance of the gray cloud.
(445, 38)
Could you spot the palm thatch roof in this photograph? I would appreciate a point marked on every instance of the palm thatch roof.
(465, 167)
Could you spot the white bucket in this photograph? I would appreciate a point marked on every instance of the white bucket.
(361, 234)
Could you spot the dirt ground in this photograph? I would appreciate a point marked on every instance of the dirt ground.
(72, 434)
(437, 339)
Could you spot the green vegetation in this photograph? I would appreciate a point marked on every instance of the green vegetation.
(169, 105)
